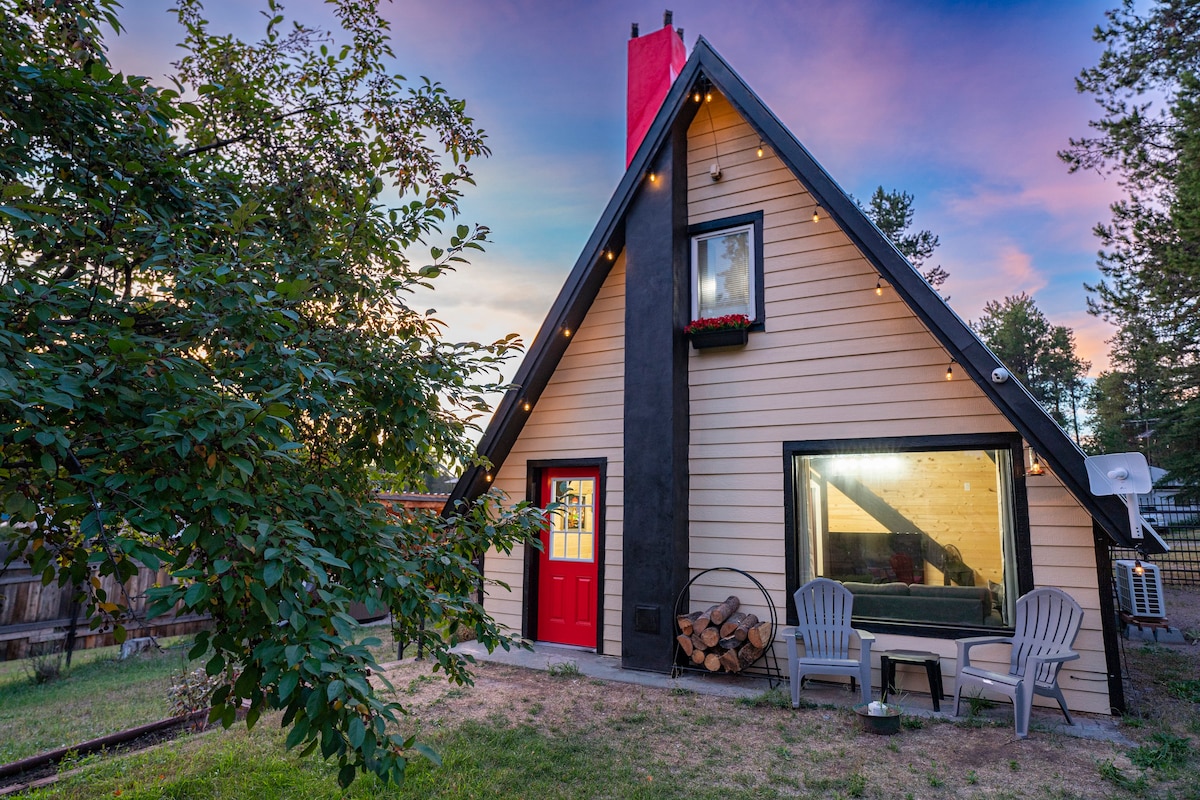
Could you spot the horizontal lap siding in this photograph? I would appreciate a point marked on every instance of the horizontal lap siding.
(579, 415)
(835, 362)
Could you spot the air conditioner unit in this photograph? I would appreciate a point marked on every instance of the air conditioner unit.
(1140, 590)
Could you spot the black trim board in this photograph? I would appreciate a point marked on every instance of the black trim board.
(656, 424)
(1057, 450)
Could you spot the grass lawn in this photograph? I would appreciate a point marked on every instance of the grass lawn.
(526, 734)
(97, 696)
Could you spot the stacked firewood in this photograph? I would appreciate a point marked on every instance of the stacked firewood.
(723, 638)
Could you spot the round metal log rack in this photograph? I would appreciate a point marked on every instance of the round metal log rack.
(767, 665)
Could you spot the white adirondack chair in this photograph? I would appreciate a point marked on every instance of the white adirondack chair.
(824, 607)
(1046, 625)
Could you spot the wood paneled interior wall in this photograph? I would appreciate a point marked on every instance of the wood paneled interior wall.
(835, 362)
(579, 415)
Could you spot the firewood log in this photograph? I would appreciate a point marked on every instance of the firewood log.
(749, 654)
(722, 611)
(712, 662)
(760, 635)
(698, 656)
(729, 661)
(743, 628)
(730, 643)
(730, 625)
(697, 642)
(685, 644)
(686, 621)
(710, 637)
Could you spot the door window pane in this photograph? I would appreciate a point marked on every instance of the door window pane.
(572, 526)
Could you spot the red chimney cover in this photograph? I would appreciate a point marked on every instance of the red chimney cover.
(655, 60)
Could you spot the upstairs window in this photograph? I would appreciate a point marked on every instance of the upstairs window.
(727, 268)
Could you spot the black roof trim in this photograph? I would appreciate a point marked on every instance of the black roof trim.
(1036, 426)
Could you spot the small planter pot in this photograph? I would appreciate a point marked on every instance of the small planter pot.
(884, 724)
(725, 337)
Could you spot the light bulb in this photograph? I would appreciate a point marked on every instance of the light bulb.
(696, 96)
(760, 150)
(708, 97)
(1138, 569)
(879, 287)
(817, 215)
(950, 372)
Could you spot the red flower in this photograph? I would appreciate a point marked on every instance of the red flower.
(727, 322)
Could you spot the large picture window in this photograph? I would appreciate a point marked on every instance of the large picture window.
(727, 267)
(922, 532)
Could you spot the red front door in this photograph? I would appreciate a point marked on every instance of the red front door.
(568, 582)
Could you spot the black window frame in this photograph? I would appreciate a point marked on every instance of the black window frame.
(996, 441)
(754, 218)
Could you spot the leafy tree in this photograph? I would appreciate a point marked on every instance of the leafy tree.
(1040, 355)
(206, 351)
(1149, 137)
(892, 212)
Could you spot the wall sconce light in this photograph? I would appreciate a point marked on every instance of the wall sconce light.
(950, 370)
(879, 287)
(760, 148)
(817, 214)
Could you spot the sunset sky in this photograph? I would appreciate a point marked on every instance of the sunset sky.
(963, 104)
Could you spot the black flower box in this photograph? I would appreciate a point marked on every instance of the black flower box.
(722, 337)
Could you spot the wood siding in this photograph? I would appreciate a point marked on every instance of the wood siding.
(835, 362)
(578, 416)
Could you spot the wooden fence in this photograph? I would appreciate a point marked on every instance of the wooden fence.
(33, 616)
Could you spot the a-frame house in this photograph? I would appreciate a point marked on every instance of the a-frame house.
(858, 433)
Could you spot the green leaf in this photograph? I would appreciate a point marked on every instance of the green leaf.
(346, 775)
(272, 572)
(428, 752)
(13, 211)
(356, 732)
(287, 685)
(48, 464)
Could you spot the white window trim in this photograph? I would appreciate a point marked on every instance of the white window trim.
(753, 312)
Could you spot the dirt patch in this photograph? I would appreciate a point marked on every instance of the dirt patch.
(775, 749)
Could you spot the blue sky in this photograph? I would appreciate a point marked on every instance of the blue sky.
(963, 104)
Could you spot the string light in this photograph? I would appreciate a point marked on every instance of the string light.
(566, 332)
(696, 96)
(526, 405)
(652, 176)
(950, 370)
(1035, 464)
(1138, 569)
(879, 288)
(760, 148)
(488, 477)
(610, 255)
(708, 96)
(817, 214)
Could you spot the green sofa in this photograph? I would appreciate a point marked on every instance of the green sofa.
(920, 603)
